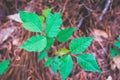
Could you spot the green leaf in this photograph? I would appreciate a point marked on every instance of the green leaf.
(50, 42)
(35, 43)
(118, 38)
(32, 18)
(117, 44)
(31, 27)
(65, 34)
(53, 23)
(80, 44)
(42, 19)
(48, 62)
(62, 52)
(88, 62)
(55, 64)
(66, 65)
(114, 52)
(46, 11)
(3, 66)
(42, 55)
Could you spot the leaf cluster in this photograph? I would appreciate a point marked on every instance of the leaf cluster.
(48, 28)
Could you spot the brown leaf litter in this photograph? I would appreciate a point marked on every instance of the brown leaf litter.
(24, 65)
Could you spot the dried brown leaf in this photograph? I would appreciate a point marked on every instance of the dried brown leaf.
(15, 17)
(99, 34)
(5, 33)
(115, 63)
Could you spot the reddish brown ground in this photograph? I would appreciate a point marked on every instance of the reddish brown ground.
(24, 66)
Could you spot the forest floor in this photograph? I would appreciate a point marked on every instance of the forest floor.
(99, 18)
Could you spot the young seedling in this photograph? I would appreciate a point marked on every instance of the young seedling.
(51, 32)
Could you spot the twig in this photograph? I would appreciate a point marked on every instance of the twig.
(104, 10)
(80, 23)
(89, 9)
(64, 6)
(81, 20)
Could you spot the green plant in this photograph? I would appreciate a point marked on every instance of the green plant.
(116, 49)
(3, 66)
(51, 32)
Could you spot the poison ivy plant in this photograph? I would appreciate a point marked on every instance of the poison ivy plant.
(53, 23)
(63, 35)
(48, 62)
(66, 65)
(88, 62)
(3, 66)
(118, 38)
(55, 64)
(117, 44)
(79, 45)
(35, 43)
(31, 21)
(42, 55)
(46, 12)
(114, 52)
(62, 52)
(42, 19)
(50, 33)
(116, 49)
(50, 42)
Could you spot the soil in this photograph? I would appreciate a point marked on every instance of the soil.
(99, 18)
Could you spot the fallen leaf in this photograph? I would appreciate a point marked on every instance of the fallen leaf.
(99, 34)
(5, 33)
(115, 63)
(15, 17)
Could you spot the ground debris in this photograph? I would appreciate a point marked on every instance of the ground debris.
(115, 63)
(82, 14)
(6, 33)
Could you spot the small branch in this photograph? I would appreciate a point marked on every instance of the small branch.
(64, 6)
(80, 23)
(104, 10)
(89, 9)
(81, 20)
